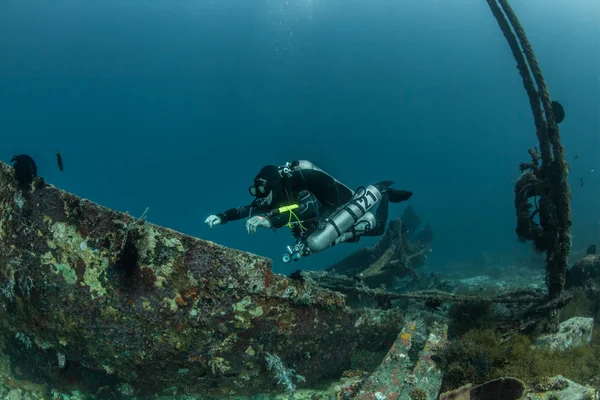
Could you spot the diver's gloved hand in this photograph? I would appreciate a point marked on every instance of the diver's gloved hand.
(212, 221)
(255, 222)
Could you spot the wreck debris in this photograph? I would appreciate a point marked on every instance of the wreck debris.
(523, 308)
(398, 377)
(394, 369)
(548, 181)
(559, 387)
(428, 376)
(401, 250)
(190, 305)
(497, 389)
(507, 388)
(433, 298)
(576, 331)
(583, 271)
(591, 250)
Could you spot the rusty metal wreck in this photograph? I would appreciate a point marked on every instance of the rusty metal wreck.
(101, 298)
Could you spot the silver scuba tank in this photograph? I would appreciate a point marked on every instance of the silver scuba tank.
(364, 224)
(344, 218)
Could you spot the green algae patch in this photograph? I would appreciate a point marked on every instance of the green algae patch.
(109, 313)
(159, 253)
(70, 248)
(68, 273)
(246, 305)
(91, 279)
(1, 228)
(146, 305)
(244, 310)
(172, 242)
(171, 303)
(147, 243)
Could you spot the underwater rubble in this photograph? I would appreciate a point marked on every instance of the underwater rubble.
(402, 249)
(97, 304)
(574, 332)
(396, 378)
(585, 271)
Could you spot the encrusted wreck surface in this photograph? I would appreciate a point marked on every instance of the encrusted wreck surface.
(585, 270)
(397, 379)
(402, 249)
(96, 298)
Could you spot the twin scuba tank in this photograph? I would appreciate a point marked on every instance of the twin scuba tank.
(333, 227)
(345, 218)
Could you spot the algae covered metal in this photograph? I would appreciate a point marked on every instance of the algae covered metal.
(100, 299)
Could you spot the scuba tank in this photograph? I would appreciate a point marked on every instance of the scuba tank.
(343, 219)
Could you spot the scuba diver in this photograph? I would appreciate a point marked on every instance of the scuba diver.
(319, 210)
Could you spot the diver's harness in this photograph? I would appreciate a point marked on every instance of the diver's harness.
(350, 215)
(299, 230)
(295, 224)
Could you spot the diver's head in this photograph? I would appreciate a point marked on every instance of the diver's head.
(265, 182)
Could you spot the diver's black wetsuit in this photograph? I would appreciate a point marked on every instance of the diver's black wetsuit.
(317, 194)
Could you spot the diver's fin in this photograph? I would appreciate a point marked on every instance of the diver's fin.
(383, 184)
(396, 196)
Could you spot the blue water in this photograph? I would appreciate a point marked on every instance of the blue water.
(175, 105)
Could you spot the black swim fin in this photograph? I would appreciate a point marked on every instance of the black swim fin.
(385, 184)
(396, 196)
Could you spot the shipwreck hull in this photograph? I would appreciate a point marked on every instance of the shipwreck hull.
(96, 298)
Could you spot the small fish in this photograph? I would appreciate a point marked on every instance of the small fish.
(558, 111)
(59, 160)
(591, 249)
(576, 156)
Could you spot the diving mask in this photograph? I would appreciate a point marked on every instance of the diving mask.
(259, 189)
(265, 181)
